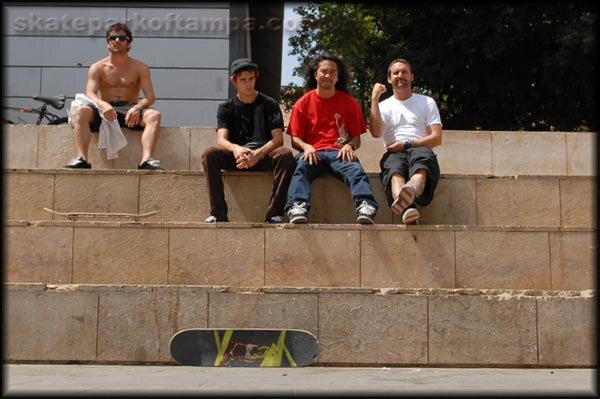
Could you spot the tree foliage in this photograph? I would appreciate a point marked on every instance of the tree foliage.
(493, 66)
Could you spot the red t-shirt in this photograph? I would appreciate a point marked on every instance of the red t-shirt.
(320, 122)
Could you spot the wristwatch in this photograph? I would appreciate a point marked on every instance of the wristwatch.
(407, 144)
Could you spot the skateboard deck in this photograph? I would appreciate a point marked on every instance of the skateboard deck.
(244, 347)
(77, 215)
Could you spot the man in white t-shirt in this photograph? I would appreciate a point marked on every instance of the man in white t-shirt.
(411, 126)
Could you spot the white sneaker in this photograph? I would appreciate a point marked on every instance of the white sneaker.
(366, 213)
(297, 213)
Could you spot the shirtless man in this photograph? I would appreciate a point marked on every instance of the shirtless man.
(114, 83)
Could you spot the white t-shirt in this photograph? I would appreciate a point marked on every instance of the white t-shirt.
(408, 119)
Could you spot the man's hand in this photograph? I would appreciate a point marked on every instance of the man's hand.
(244, 157)
(108, 112)
(347, 153)
(378, 90)
(396, 146)
(133, 116)
(247, 160)
(310, 155)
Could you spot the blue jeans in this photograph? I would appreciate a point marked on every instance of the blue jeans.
(351, 173)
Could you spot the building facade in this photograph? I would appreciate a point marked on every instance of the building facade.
(49, 47)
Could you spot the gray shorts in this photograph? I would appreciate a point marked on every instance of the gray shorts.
(406, 163)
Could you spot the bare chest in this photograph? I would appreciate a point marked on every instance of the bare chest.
(119, 77)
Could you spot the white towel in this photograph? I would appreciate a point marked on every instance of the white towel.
(110, 136)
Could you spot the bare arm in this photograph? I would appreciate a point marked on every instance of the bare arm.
(92, 89)
(433, 139)
(134, 115)
(223, 142)
(347, 151)
(147, 87)
(309, 153)
(276, 141)
(375, 122)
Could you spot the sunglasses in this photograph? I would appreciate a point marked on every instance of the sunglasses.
(120, 37)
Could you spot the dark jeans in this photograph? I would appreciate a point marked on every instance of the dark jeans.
(351, 173)
(280, 161)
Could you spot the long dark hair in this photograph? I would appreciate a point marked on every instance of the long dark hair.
(344, 74)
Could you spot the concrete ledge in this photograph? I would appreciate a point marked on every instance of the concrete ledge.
(28, 380)
(463, 152)
(323, 255)
(133, 324)
(183, 196)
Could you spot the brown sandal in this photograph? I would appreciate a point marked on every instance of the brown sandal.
(411, 216)
(405, 198)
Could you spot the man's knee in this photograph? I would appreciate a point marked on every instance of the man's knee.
(284, 155)
(83, 115)
(354, 169)
(397, 175)
(421, 173)
(152, 116)
(209, 155)
(303, 166)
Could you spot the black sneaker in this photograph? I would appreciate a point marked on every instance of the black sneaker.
(214, 219)
(366, 213)
(150, 163)
(78, 163)
(297, 213)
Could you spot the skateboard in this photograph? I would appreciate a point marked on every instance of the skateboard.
(77, 215)
(244, 347)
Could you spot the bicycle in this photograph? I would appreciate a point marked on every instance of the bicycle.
(57, 102)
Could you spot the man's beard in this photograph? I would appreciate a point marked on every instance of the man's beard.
(117, 51)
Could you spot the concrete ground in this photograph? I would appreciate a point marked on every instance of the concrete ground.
(99, 380)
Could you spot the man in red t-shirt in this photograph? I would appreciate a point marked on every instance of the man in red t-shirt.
(325, 125)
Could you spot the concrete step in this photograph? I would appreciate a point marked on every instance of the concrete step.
(314, 255)
(501, 271)
(504, 153)
(182, 196)
(116, 324)
(86, 380)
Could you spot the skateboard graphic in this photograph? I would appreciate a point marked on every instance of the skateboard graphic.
(244, 347)
(77, 215)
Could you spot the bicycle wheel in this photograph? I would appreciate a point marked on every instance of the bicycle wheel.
(59, 121)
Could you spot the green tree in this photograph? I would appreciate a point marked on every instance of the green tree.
(497, 66)
(346, 30)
